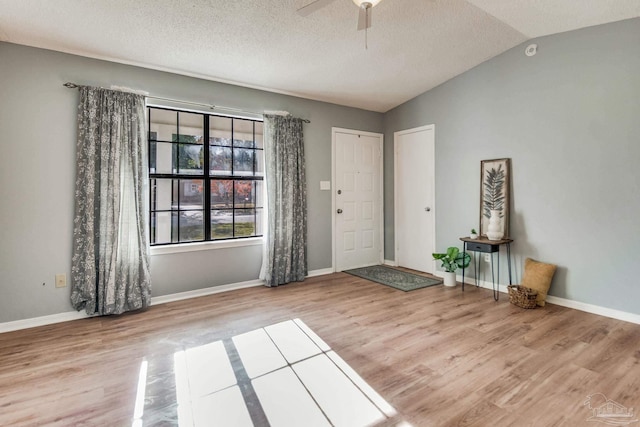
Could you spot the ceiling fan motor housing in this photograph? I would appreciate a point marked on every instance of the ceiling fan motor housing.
(366, 4)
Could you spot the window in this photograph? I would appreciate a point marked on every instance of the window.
(206, 177)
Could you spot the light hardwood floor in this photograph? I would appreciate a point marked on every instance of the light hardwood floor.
(439, 356)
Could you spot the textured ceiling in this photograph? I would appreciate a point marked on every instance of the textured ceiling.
(413, 46)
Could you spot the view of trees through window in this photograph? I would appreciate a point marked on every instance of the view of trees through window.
(204, 191)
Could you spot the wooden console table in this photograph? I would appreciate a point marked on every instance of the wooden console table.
(484, 245)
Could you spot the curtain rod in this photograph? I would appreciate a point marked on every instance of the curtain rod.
(71, 85)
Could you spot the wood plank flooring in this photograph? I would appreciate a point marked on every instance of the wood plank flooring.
(439, 356)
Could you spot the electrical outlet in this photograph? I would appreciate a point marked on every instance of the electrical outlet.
(61, 280)
(487, 257)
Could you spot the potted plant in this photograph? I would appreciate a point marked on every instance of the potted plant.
(451, 260)
(474, 233)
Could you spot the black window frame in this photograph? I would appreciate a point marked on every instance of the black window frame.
(207, 177)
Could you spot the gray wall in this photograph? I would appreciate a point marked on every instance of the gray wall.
(569, 118)
(37, 166)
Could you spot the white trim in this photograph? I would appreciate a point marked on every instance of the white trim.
(576, 305)
(320, 272)
(205, 246)
(595, 309)
(209, 110)
(334, 131)
(395, 188)
(333, 198)
(74, 315)
(41, 321)
(470, 281)
(205, 291)
(163, 299)
(390, 262)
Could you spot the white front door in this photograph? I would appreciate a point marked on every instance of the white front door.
(357, 199)
(414, 184)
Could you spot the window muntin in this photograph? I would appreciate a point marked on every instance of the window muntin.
(204, 192)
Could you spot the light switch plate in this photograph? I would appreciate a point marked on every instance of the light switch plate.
(325, 185)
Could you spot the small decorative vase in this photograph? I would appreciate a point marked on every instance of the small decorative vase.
(449, 279)
(473, 236)
(494, 231)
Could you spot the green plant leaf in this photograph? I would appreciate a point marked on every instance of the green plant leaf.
(463, 260)
(450, 259)
(452, 252)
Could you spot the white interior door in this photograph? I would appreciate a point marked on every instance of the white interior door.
(414, 184)
(357, 199)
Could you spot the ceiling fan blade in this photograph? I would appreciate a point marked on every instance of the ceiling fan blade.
(364, 17)
(313, 6)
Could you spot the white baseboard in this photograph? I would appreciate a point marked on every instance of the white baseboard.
(42, 321)
(320, 272)
(224, 288)
(390, 263)
(205, 291)
(482, 283)
(577, 305)
(75, 315)
(163, 299)
(595, 309)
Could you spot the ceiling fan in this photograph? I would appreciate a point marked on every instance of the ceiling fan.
(364, 17)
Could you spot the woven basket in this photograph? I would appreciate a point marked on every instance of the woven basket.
(522, 297)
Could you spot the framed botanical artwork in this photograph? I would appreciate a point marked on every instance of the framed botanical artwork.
(495, 190)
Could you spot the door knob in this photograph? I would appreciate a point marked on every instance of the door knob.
(427, 209)
(339, 211)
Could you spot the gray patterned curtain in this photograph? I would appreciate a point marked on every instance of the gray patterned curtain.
(110, 264)
(286, 245)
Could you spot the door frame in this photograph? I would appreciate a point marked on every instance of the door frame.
(334, 131)
(396, 206)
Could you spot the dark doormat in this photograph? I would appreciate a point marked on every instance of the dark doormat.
(395, 278)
